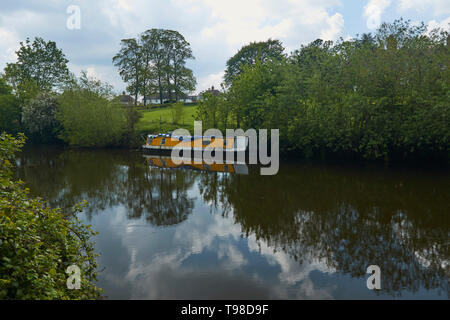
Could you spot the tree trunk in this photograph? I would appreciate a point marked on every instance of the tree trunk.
(160, 90)
(169, 90)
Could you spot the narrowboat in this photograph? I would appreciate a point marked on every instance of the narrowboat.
(167, 142)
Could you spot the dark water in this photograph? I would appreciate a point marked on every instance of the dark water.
(311, 231)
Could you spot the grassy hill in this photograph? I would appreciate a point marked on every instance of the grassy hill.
(156, 120)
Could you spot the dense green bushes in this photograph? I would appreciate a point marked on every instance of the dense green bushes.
(38, 117)
(9, 109)
(381, 97)
(55, 106)
(89, 115)
(37, 244)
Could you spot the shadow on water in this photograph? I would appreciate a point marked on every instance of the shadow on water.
(336, 220)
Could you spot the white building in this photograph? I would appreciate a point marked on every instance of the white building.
(155, 99)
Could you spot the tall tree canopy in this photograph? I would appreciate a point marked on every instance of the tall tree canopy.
(266, 51)
(155, 62)
(129, 62)
(40, 66)
(178, 50)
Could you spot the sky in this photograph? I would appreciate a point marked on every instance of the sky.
(216, 29)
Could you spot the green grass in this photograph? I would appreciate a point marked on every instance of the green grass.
(150, 121)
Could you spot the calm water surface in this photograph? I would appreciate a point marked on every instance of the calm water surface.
(309, 232)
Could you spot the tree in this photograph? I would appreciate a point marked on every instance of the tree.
(250, 92)
(184, 81)
(266, 51)
(166, 52)
(129, 62)
(38, 116)
(40, 65)
(177, 112)
(209, 109)
(89, 115)
(9, 109)
(154, 67)
(178, 51)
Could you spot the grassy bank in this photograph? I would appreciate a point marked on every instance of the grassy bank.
(157, 120)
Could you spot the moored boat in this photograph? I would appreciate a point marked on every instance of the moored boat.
(168, 142)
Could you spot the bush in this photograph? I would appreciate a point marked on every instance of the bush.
(177, 112)
(37, 243)
(38, 117)
(9, 109)
(89, 115)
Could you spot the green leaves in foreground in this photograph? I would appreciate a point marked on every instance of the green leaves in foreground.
(37, 243)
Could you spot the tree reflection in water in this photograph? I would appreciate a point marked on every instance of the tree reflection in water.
(107, 178)
(348, 217)
(351, 218)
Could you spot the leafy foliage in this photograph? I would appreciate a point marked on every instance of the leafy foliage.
(9, 109)
(378, 97)
(40, 66)
(89, 115)
(38, 116)
(155, 62)
(37, 244)
(264, 52)
(177, 112)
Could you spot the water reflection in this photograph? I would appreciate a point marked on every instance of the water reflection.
(307, 232)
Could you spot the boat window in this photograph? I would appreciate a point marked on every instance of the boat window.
(206, 142)
(163, 140)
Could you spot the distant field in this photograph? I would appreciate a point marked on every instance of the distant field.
(160, 120)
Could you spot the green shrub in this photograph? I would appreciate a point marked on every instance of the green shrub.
(37, 243)
(89, 115)
(9, 109)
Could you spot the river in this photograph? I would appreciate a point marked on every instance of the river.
(309, 232)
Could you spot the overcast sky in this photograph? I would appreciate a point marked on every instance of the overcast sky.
(216, 29)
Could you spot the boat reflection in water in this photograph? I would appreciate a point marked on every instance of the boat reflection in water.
(159, 161)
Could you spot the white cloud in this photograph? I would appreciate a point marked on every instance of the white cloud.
(213, 79)
(439, 7)
(103, 73)
(444, 24)
(291, 21)
(8, 46)
(336, 25)
(373, 11)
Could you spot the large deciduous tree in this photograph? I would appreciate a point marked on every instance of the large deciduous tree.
(155, 62)
(265, 51)
(154, 65)
(179, 78)
(129, 62)
(40, 66)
